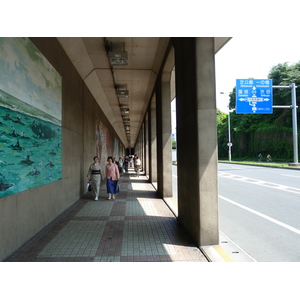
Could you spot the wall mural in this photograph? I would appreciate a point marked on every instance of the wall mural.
(30, 118)
(116, 149)
(103, 147)
(102, 142)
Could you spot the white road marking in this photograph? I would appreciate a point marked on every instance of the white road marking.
(260, 182)
(262, 215)
(290, 175)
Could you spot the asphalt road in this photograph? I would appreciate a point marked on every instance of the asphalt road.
(259, 210)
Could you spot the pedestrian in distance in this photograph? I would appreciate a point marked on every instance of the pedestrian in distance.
(94, 176)
(120, 163)
(126, 163)
(137, 166)
(134, 159)
(112, 178)
(260, 157)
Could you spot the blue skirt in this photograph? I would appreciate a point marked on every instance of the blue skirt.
(112, 186)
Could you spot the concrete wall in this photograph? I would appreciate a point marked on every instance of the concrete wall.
(24, 214)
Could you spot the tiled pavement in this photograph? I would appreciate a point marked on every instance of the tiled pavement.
(135, 227)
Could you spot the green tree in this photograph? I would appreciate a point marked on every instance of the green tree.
(222, 126)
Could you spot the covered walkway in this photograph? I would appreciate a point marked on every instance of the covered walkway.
(90, 115)
(135, 227)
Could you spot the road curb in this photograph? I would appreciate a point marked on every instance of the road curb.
(263, 166)
(226, 251)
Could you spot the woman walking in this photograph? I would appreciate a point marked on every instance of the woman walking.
(137, 166)
(94, 175)
(112, 177)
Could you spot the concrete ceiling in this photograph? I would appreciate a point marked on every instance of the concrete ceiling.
(145, 57)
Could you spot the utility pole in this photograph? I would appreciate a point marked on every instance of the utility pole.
(229, 144)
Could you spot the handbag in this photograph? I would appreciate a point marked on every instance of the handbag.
(89, 187)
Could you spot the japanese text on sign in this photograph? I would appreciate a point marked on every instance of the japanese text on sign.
(254, 96)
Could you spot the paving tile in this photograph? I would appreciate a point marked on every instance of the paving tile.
(135, 227)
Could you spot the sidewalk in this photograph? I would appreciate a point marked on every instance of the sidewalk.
(135, 227)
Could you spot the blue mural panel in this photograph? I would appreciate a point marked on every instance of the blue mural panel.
(30, 118)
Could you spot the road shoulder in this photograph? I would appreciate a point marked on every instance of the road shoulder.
(226, 251)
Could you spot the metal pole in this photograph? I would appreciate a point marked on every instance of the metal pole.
(229, 136)
(283, 106)
(294, 114)
(281, 86)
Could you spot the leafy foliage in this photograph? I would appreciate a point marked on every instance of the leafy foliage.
(222, 125)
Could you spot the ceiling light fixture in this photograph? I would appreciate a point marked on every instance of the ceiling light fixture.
(118, 58)
(123, 93)
(116, 53)
(124, 110)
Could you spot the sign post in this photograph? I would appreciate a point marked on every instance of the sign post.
(295, 130)
(254, 96)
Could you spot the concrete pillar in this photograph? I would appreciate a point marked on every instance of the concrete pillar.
(197, 138)
(164, 140)
(153, 142)
(146, 146)
(142, 142)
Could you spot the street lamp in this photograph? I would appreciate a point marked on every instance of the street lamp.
(229, 144)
